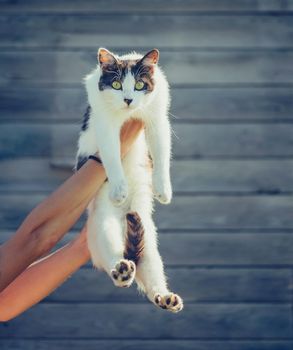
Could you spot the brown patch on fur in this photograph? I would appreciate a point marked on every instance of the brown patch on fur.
(145, 73)
(145, 69)
(134, 238)
(127, 64)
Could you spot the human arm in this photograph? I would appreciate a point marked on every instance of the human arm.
(52, 218)
(43, 277)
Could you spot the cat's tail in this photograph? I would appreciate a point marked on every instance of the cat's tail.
(134, 237)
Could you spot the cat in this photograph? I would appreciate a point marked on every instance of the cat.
(122, 236)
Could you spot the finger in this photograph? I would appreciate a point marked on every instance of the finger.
(129, 133)
(131, 128)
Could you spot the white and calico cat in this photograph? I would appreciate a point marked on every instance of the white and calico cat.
(122, 237)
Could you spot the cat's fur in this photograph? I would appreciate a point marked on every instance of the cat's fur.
(122, 237)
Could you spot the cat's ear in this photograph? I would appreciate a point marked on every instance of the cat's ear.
(106, 58)
(151, 58)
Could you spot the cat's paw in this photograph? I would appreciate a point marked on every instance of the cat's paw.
(118, 193)
(124, 273)
(171, 302)
(162, 190)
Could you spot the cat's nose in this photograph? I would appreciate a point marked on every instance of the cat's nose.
(128, 101)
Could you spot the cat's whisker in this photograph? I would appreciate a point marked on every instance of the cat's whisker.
(174, 116)
(151, 124)
(174, 133)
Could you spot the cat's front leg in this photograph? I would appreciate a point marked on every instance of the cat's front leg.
(158, 134)
(108, 137)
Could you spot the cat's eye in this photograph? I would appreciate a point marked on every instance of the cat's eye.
(139, 85)
(116, 85)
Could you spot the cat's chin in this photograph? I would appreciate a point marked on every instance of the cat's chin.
(129, 110)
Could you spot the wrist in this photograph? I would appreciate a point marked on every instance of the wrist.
(79, 245)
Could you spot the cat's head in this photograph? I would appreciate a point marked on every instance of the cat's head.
(126, 82)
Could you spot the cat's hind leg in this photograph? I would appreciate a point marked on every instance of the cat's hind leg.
(150, 273)
(106, 242)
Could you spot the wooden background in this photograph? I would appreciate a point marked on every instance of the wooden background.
(227, 238)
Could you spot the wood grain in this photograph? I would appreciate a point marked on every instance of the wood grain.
(100, 321)
(116, 6)
(145, 344)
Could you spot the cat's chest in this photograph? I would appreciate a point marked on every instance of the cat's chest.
(90, 139)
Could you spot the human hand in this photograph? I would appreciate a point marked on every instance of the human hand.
(129, 133)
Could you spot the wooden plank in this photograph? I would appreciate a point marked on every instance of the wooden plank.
(27, 140)
(191, 140)
(61, 31)
(115, 6)
(233, 104)
(77, 344)
(196, 67)
(247, 140)
(197, 176)
(146, 344)
(180, 249)
(200, 212)
(243, 176)
(212, 212)
(31, 174)
(208, 285)
(254, 249)
(43, 104)
(100, 321)
(196, 104)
